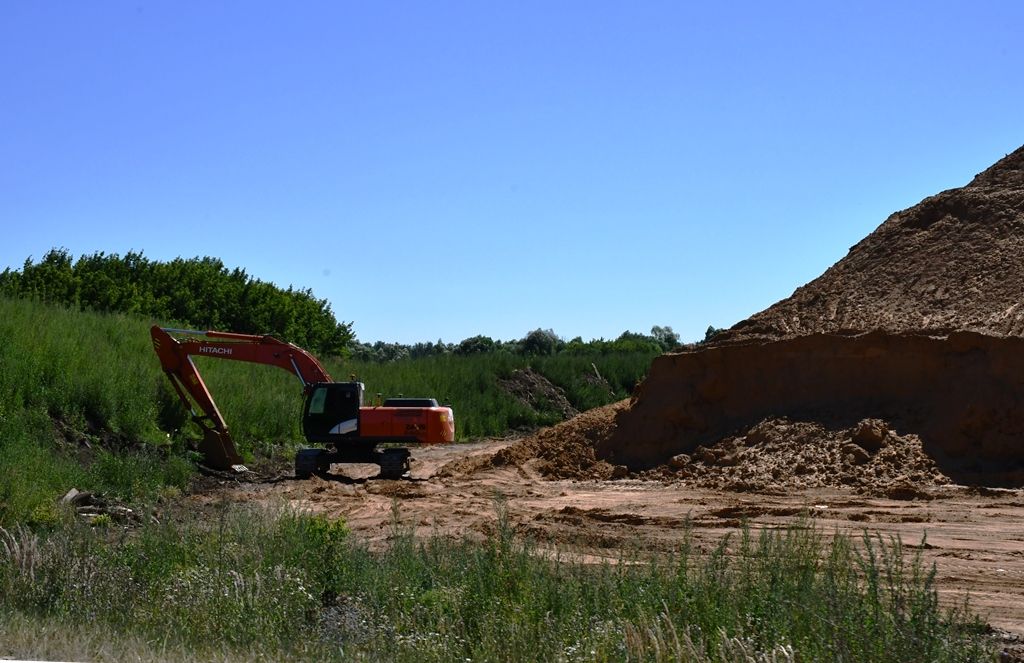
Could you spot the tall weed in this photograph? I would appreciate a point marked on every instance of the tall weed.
(283, 585)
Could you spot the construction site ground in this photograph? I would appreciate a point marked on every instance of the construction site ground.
(974, 536)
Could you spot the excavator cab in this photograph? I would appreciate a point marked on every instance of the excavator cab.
(331, 411)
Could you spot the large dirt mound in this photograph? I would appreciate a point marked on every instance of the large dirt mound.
(920, 326)
(960, 393)
(955, 261)
(774, 455)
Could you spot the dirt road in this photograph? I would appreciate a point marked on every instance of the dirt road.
(975, 537)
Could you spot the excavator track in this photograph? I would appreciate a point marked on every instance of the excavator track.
(393, 462)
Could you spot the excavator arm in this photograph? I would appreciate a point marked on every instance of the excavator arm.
(176, 347)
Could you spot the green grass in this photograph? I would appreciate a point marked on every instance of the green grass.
(80, 406)
(84, 369)
(244, 583)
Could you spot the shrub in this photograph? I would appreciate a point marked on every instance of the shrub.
(541, 342)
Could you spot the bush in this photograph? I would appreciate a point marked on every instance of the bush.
(475, 345)
(542, 342)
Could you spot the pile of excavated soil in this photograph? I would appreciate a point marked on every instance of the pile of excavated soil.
(567, 450)
(774, 455)
(955, 261)
(959, 393)
(537, 392)
(778, 454)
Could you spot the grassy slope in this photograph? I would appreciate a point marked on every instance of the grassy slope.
(66, 379)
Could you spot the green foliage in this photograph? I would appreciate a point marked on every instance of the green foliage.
(199, 292)
(380, 351)
(292, 586)
(32, 475)
(541, 342)
(711, 332)
(137, 476)
(666, 338)
(537, 343)
(475, 345)
(246, 580)
(72, 385)
(782, 591)
(633, 342)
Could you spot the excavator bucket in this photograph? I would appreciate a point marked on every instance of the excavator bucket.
(219, 452)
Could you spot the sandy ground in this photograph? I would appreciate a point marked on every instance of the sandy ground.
(974, 536)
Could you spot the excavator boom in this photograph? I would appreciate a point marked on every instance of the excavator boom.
(176, 352)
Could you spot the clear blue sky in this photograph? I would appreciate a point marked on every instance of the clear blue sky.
(446, 169)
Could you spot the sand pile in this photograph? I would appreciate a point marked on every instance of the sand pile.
(921, 325)
(778, 454)
(567, 450)
(955, 261)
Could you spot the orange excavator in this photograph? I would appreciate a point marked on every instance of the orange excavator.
(333, 413)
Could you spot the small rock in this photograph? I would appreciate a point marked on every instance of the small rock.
(729, 460)
(679, 461)
(76, 497)
(705, 455)
(755, 437)
(906, 491)
(856, 454)
(620, 472)
(870, 434)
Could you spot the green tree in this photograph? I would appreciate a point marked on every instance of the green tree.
(666, 338)
(198, 292)
(52, 280)
(541, 342)
(711, 332)
(475, 345)
(634, 342)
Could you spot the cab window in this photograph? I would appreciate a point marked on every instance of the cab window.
(318, 401)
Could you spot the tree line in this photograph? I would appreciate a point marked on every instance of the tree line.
(195, 292)
(539, 342)
(204, 294)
